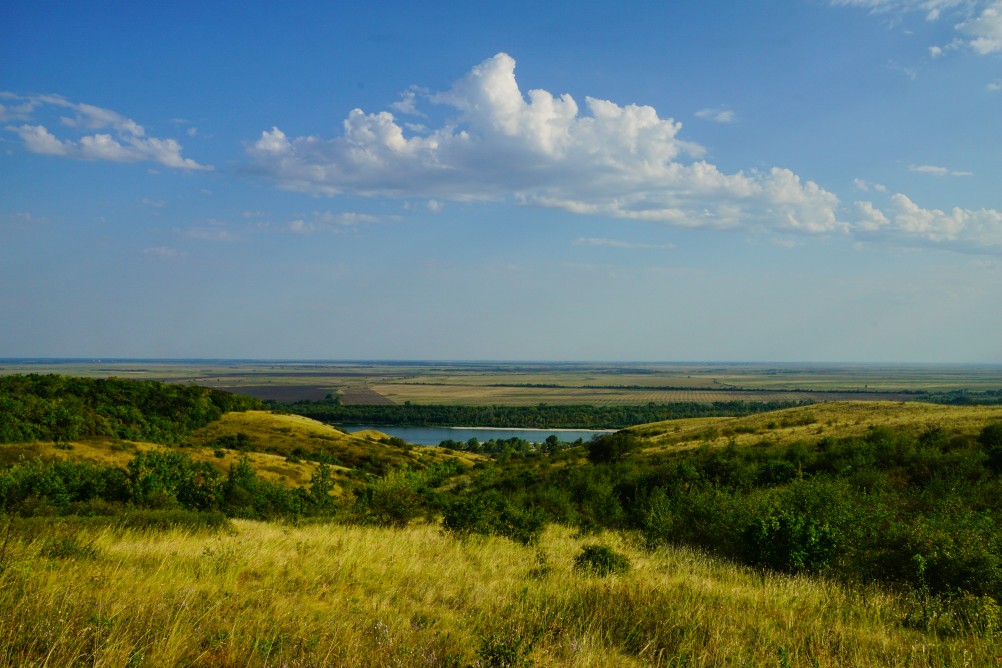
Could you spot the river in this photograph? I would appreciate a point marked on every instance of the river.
(435, 435)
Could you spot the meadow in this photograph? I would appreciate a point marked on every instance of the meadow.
(148, 524)
(277, 594)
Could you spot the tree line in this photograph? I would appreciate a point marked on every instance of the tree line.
(49, 407)
(540, 416)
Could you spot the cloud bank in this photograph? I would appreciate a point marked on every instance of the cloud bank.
(94, 133)
(601, 158)
(545, 150)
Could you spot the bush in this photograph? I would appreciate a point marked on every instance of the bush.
(790, 542)
(612, 448)
(491, 515)
(395, 499)
(504, 651)
(990, 439)
(601, 560)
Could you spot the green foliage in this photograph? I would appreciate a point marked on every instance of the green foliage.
(897, 505)
(540, 416)
(171, 478)
(612, 448)
(504, 650)
(56, 408)
(990, 439)
(601, 560)
(791, 542)
(395, 499)
(492, 515)
(67, 547)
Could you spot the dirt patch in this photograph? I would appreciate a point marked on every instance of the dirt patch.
(364, 396)
(286, 393)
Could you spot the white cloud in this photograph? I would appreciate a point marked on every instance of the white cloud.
(978, 22)
(936, 171)
(866, 186)
(318, 221)
(543, 150)
(614, 243)
(39, 140)
(123, 140)
(906, 223)
(995, 86)
(155, 203)
(717, 115)
(985, 29)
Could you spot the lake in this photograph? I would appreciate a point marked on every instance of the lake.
(435, 435)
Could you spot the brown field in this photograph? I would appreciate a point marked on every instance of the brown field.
(364, 396)
(528, 396)
(509, 382)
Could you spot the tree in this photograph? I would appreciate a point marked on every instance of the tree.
(991, 439)
(612, 447)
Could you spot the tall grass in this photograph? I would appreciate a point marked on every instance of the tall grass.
(272, 595)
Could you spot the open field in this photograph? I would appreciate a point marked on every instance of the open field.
(510, 383)
(483, 395)
(332, 595)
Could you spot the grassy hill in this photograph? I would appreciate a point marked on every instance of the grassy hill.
(282, 449)
(810, 423)
(264, 594)
(857, 533)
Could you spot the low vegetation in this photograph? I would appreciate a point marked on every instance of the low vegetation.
(831, 534)
(267, 594)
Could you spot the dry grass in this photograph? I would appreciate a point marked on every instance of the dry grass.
(810, 423)
(278, 435)
(270, 595)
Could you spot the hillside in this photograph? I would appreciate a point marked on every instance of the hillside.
(840, 419)
(263, 594)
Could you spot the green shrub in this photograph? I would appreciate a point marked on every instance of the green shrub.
(601, 560)
(790, 542)
(395, 499)
(67, 547)
(187, 520)
(990, 439)
(504, 651)
(612, 447)
(492, 515)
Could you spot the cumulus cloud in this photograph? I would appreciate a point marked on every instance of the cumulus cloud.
(88, 132)
(541, 149)
(904, 222)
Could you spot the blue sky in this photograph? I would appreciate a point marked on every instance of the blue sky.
(694, 180)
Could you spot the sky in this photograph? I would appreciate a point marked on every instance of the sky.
(696, 180)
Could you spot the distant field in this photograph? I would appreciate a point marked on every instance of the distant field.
(517, 383)
(518, 396)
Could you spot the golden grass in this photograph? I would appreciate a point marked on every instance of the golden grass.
(836, 419)
(270, 595)
(280, 434)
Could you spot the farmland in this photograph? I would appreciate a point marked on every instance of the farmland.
(525, 384)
